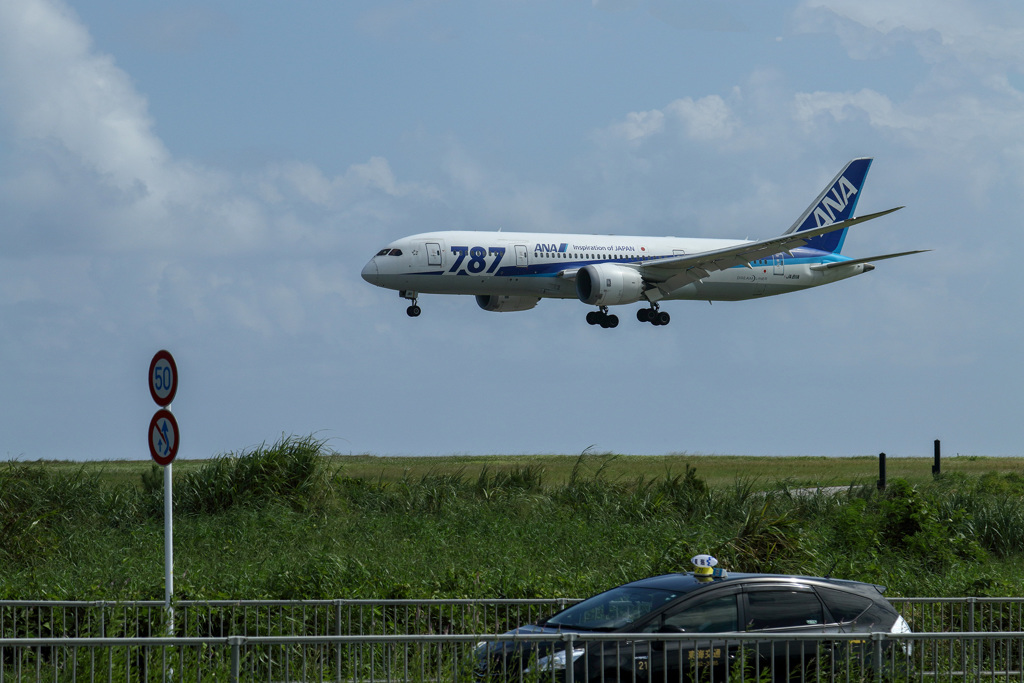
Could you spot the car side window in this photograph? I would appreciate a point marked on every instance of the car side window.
(783, 609)
(844, 607)
(718, 615)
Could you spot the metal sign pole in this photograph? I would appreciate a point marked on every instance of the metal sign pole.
(163, 447)
(168, 549)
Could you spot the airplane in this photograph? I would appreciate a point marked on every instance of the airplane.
(513, 271)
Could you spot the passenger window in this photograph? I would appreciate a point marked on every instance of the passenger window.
(783, 609)
(845, 607)
(713, 616)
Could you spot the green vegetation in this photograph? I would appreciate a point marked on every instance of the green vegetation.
(292, 520)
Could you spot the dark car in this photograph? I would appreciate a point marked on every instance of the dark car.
(698, 605)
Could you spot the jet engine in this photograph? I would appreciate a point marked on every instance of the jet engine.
(503, 303)
(607, 284)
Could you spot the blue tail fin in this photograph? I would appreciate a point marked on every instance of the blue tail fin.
(835, 203)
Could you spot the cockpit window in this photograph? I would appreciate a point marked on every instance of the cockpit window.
(396, 252)
(389, 252)
(383, 252)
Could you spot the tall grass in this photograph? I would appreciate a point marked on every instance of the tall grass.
(290, 473)
(287, 521)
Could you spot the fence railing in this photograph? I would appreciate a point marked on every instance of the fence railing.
(568, 657)
(222, 618)
(962, 614)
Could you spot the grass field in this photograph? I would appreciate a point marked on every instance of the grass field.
(716, 470)
(294, 521)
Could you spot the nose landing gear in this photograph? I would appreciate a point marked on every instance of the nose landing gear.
(602, 318)
(653, 315)
(414, 310)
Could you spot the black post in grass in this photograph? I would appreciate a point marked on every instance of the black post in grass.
(881, 471)
(937, 467)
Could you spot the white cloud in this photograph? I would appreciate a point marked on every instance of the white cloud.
(639, 125)
(57, 91)
(969, 126)
(83, 131)
(965, 99)
(939, 29)
(88, 183)
(708, 118)
(840, 106)
(493, 199)
(311, 184)
(705, 119)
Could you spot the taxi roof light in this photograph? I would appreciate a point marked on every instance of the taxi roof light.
(706, 566)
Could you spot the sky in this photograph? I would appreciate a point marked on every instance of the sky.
(210, 178)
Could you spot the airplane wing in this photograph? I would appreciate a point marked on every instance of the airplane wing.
(671, 273)
(866, 259)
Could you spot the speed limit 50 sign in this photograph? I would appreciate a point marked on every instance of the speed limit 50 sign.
(163, 378)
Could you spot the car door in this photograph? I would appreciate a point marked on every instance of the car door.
(701, 658)
(852, 612)
(786, 608)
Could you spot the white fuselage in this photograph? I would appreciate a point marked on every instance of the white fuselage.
(543, 265)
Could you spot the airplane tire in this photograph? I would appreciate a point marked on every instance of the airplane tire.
(594, 318)
(644, 315)
(664, 318)
(413, 311)
(613, 321)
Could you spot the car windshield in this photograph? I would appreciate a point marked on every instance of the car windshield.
(614, 609)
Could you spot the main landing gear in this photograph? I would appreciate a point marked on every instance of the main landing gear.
(414, 310)
(645, 315)
(602, 318)
(653, 315)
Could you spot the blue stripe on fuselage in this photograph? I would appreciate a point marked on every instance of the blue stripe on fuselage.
(800, 256)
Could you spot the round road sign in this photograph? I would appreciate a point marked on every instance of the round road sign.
(163, 437)
(163, 378)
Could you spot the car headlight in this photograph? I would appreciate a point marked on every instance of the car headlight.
(556, 661)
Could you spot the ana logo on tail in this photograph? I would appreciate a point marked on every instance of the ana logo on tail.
(834, 202)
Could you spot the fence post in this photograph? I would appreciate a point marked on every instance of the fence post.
(937, 467)
(338, 631)
(236, 643)
(881, 471)
(877, 655)
(570, 670)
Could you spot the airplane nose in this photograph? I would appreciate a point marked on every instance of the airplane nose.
(370, 272)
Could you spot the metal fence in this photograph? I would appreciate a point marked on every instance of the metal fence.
(602, 658)
(222, 618)
(257, 618)
(962, 614)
